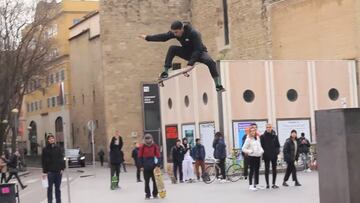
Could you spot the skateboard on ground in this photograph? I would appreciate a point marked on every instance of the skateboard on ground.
(114, 182)
(184, 72)
(159, 180)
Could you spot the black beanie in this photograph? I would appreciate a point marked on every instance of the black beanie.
(176, 25)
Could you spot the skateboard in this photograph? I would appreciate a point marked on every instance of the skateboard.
(159, 180)
(114, 182)
(184, 72)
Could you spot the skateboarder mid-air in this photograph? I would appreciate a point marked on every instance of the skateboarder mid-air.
(192, 49)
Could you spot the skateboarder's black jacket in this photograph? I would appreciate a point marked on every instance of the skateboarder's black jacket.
(190, 40)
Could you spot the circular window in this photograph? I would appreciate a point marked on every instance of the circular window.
(333, 94)
(292, 95)
(169, 103)
(187, 101)
(205, 98)
(249, 96)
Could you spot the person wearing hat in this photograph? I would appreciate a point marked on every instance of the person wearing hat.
(53, 165)
(149, 158)
(291, 154)
(192, 49)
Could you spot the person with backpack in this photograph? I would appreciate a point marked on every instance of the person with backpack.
(220, 154)
(149, 158)
(198, 154)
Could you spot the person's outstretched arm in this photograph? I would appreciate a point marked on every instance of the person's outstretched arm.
(158, 37)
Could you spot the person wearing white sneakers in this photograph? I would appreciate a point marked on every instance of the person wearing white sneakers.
(252, 148)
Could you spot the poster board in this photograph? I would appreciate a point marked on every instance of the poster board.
(207, 132)
(285, 126)
(239, 130)
(171, 137)
(188, 131)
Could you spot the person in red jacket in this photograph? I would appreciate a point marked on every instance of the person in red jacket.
(149, 158)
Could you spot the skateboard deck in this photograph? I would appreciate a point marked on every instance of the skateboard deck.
(114, 182)
(159, 180)
(184, 72)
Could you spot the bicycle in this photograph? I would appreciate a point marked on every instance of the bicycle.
(233, 170)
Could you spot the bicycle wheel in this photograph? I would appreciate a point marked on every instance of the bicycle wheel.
(210, 174)
(233, 173)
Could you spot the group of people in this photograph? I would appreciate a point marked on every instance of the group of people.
(267, 146)
(10, 164)
(183, 156)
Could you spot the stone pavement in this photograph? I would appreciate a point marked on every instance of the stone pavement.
(97, 189)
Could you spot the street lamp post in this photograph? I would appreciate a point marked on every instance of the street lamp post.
(15, 112)
(3, 125)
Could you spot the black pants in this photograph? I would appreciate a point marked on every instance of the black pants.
(138, 171)
(102, 160)
(3, 178)
(254, 163)
(54, 179)
(11, 174)
(115, 170)
(178, 166)
(147, 175)
(290, 170)
(246, 165)
(267, 170)
(221, 165)
(186, 55)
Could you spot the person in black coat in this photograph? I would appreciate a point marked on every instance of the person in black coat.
(192, 49)
(101, 156)
(178, 152)
(270, 143)
(116, 145)
(134, 155)
(304, 150)
(291, 154)
(53, 165)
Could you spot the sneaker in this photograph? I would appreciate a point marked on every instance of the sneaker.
(139, 181)
(220, 88)
(164, 75)
(224, 181)
(285, 184)
(308, 170)
(274, 187)
(25, 186)
(267, 187)
(156, 197)
(252, 188)
(147, 197)
(181, 181)
(297, 184)
(260, 187)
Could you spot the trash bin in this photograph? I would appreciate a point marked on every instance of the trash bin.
(9, 193)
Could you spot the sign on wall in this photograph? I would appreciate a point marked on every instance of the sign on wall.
(286, 126)
(188, 131)
(207, 133)
(239, 130)
(171, 137)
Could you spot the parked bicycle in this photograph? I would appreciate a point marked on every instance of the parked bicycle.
(233, 169)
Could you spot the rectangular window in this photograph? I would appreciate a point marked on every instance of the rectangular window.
(51, 79)
(53, 101)
(57, 77)
(36, 106)
(32, 107)
(27, 107)
(94, 96)
(62, 75)
(40, 104)
(48, 102)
